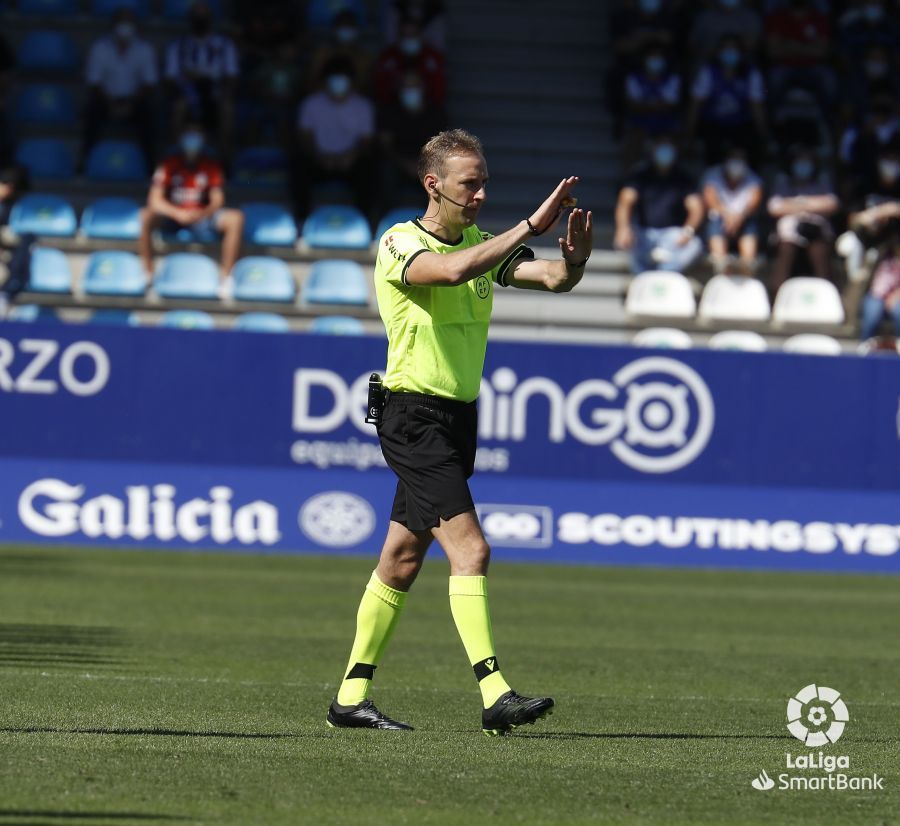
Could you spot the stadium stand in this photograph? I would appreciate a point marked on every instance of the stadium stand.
(49, 8)
(663, 338)
(337, 325)
(813, 344)
(114, 317)
(805, 300)
(660, 294)
(262, 323)
(50, 271)
(33, 313)
(336, 282)
(46, 158)
(48, 51)
(112, 219)
(187, 320)
(105, 9)
(45, 104)
(398, 215)
(268, 224)
(337, 226)
(260, 278)
(114, 272)
(734, 298)
(187, 275)
(43, 215)
(116, 161)
(742, 340)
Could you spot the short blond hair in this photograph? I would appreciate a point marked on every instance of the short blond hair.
(434, 154)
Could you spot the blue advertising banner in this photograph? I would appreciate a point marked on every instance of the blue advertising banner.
(593, 454)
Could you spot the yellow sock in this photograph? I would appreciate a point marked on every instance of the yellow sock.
(376, 619)
(469, 606)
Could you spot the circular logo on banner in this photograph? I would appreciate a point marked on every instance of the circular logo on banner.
(337, 519)
(817, 715)
(482, 286)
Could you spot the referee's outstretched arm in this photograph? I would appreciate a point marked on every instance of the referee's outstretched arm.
(451, 269)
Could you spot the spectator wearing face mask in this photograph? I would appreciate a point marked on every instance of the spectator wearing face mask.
(883, 297)
(798, 42)
(874, 212)
(187, 193)
(343, 43)
(725, 17)
(728, 103)
(802, 204)
(874, 24)
(404, 127)
(121, 82)
(410, 53)
(653, 95)
(201, 72)
(427, 14)
(875, 76)
(336, 126)
(732, 194)
(659, 213)
(862, 143)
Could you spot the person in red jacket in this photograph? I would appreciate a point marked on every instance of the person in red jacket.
(410, 53)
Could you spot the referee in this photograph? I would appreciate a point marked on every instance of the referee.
(434, 281)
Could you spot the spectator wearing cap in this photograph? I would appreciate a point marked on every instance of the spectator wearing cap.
(874, 212)
(343, 42)
(404, 126)
(802, 204)
(336, 127)
(659, 213)
(732, 195)
(187, 193)
(121, 82)
(201, 71)
(728, 103)
(653, 98)
(410, 53)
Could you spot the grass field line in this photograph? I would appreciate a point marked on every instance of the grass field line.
(161, 678)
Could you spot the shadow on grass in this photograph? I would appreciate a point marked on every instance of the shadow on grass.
(153, 732)
(54, 645)
(55, 816)
(641, 735)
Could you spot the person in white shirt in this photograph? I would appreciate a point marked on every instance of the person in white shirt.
(121, 77)
(336, 126)
(201, 73)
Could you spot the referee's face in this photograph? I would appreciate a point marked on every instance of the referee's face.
(465, 181)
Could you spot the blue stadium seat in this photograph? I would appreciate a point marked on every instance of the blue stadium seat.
(44, 103)
(47, 51)
(33, 312)
(114, 272)
(261, 166)
(50, 271)
(114, 317)
(46, 158)
(43, 215)
(338, 325)
(106, 8)
(50, 8)
(178, 9)
(258, 278)
(187, 275)
(337, 227)
(396, 216)
(268, 224)
(320, 13)
(262, 323)
(116, 161)
(336, 282)
(187, 320)
(116, 219)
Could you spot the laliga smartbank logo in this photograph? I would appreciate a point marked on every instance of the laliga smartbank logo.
(817, 717)
(656, 414)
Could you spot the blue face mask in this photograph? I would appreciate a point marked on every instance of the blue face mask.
(650, 6)
(411, 46)
(730, 57)
(736, 168)
(664, 155)
(656, 64)
(802, 169)
(411, 97)
(191, 143)
(346, 34)
(729, 4)
(338, 85)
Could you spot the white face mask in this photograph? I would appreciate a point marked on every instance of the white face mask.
(411, 97)
(735, 168)
(802, 169)
(124, 30)
(889, 170)
(338, 85)
(411, 46)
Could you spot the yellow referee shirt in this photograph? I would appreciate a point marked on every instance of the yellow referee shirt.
(437, 336)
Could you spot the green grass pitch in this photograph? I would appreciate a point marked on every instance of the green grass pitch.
(145, 687)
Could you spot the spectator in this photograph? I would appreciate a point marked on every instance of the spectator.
(801, 205)
(7, 64)
(121, 82)
(862, 144)
(653, 97)
(874, 212)
(201, 70)
(659, 212)
(343, 43)
(267, 26)
(633, 29)
(277, 85)
(427, 14)
(798, 39)
(14, 182)
(732, 194)
(874, 77)
(187, 193)
(336, 127)
(404, 127)
(875, 24)
(410, 53)
(727, 103)
(722, 18)
(883, 297)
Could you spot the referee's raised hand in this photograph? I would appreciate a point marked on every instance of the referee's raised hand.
(548, 213)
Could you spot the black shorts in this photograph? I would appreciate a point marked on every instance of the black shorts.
(429, 442)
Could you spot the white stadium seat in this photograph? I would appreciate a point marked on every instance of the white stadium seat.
(744, 340)
(813, 344)
(806, 300)
(660, 294)
(734, 298)
(663, 338)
